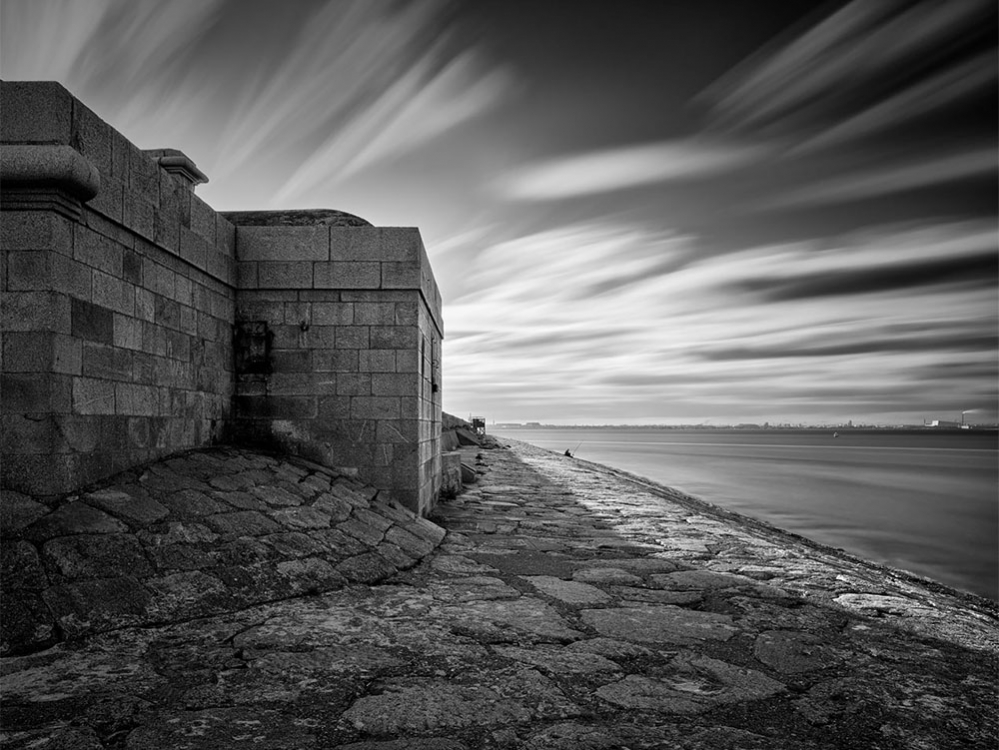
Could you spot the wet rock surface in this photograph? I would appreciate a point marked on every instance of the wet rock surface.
(568, 606)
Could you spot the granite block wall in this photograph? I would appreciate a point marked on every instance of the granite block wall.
(348, 320)
(117, 299)
(138, 322)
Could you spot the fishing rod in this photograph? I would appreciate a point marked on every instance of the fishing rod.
(571, 453)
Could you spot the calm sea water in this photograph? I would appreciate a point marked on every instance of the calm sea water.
(918, 500)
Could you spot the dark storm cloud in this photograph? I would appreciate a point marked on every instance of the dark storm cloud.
(978, 270)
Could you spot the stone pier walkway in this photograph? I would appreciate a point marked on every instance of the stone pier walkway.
(567, 607)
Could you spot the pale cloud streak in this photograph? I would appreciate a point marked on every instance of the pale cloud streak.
(855, 45)
(883, 181)
(627, 167)
(422, 104)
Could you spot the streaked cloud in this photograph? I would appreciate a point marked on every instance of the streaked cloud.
(627, 167)
(422, 104)
(886, 180)
(832, 66)
(696, 341)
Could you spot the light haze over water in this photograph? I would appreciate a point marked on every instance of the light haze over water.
(922, 501)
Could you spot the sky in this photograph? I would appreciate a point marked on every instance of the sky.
(642, 211)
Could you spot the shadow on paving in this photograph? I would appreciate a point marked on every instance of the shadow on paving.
(567, 607)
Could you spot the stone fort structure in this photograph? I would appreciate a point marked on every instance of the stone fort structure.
(139, 322)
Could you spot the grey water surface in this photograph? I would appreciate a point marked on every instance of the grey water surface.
(920, 500)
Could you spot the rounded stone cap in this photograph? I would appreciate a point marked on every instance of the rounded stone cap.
(308, 217)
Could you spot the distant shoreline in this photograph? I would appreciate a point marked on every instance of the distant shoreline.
(907, 429)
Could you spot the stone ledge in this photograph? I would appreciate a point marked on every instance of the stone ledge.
(48, 166)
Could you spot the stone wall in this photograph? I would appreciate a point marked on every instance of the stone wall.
(117, 298)
(350, 317)
(123, 295)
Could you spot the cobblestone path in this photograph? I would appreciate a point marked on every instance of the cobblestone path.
(567, 607)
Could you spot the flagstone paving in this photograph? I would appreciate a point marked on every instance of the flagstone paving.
(567, 606)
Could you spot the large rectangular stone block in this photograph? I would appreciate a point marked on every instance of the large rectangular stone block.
(332, 313)
(276, 243)
(376, 360)
(92, 322)
(284, 275)
(93, 396)
(392, 384)
(347, 275)
(106, 362)
(353, 337)
(394, 337)
(113, 293)
(97, 251)
(374, 407)
(92, 138)
(136, 400)
(374, 313)
(194, 248)
(35, 112)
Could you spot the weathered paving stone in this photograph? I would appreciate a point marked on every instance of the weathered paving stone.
(17, 512)
(684, 580)
(336, 508)
(570, 592)
(410, 743)
(28, 624)
(367, 534)
(573, 736)
(395, 556)
(365, 568)
(338, 543)
(73, 518)
(310, 574)
(408, 707)
(610, 647)
(21, 568)
(301, 518)
(225, 727)
(97, 605)
(695, 684)
(277, 496)
(637, 564)
(180, 556)
(374, 520)
(460, 565)
(631, 594)
(242, 523)
(559, 660)
(792, 652)
(97, 556)
(473, 588)
(185, 594)
(135, 507)
(606, 575)
(331, 659)
(409, 543)
(294, 544)
(526, 616)
(528, 562)
(177, 532)
(240, 500)
(660, 624)
(190, 502)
